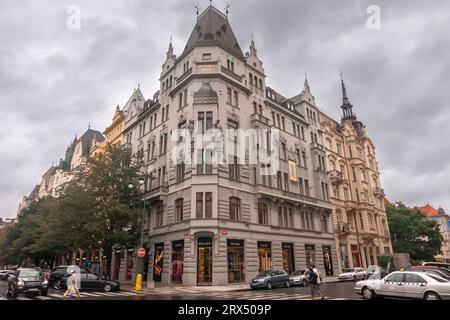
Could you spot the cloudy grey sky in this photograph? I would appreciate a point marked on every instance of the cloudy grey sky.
(55, 81)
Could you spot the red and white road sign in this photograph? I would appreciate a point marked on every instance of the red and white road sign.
(141, 252)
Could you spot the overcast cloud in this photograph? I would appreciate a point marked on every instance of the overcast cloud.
(55, 81)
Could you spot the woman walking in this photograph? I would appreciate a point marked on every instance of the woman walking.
(314, 282)
(72, 286)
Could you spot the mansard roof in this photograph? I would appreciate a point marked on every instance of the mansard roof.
(212, 28)
(35, 192)
(87, 138)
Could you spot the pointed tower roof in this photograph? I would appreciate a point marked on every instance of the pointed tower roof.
(212, 28)
(346, 107)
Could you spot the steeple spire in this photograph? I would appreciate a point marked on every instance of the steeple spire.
(307, 88)
(253, 50)
(347, 107)
(170, 50)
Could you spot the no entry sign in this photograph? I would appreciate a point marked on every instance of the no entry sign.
(141, 252)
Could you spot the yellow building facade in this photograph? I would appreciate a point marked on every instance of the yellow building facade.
(113, 133)
(359, 217)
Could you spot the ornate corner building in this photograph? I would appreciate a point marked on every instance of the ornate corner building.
(359, 217)
(218, 224)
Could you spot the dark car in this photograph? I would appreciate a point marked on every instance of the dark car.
(26, 281)
(88, 281)
(437, 264)
(270, 279)
(441, 272)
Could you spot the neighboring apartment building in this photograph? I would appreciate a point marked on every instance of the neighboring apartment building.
(113, 134)
(84, 146)
(359, 217)
(443, 220)
(212, 223)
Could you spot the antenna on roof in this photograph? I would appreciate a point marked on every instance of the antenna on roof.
(197, 10)
(226, 9)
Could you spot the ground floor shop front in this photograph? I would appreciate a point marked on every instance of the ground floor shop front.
(211, 258)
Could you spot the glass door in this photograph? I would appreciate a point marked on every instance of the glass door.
(204, 261)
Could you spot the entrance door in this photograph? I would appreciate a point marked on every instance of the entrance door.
(288, 257)
(117, 260)
(204, 261)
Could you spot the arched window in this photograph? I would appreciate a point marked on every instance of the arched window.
(250, 77)
(260, 84)
(328, 143)
(235, 209)
(332, 165)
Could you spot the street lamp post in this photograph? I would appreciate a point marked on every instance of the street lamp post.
(143, 183)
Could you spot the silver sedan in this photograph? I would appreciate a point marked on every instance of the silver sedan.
(413, 285)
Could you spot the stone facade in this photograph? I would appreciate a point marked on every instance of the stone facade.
(443, 221)
(224, 223)
(359, 217)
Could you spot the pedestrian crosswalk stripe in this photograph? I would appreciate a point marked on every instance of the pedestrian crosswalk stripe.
(54, 295)
(88, 294)
(43, 298)
(23, 298)
(128, 293)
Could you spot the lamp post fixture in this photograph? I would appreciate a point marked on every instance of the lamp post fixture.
(142, 183)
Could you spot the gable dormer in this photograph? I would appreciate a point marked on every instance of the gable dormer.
(253, 60)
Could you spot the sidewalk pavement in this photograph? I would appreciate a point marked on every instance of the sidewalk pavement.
(130, 286)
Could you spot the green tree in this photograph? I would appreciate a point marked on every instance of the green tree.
(412, 233)
(104, 189)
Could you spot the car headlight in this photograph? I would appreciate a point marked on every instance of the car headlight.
(20, 283)
(45, 282)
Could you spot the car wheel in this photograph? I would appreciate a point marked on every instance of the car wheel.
(12, 294)
(56, 285)
(107, 287)
(431, 296)
(269, 285)
(368, 293)
(288, 284)
(304, 283)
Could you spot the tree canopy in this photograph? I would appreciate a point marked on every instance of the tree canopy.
(412, 233)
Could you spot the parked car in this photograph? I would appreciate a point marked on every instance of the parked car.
(4, 274)
(443, 273)
(437, 264)
(299, 277)
(405, 284)
(376, 272)
(353, 274)
(270, 279)
(88, 281)
(26, 281)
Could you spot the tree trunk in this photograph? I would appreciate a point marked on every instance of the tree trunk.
(107, 248)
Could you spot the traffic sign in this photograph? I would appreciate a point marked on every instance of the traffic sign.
(141, 252)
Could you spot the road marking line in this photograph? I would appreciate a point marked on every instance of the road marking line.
(43, 298)
(23, 298)
(130, 293)
(55, 295)
(83, 294)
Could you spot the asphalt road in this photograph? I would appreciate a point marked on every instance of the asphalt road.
(332, 291)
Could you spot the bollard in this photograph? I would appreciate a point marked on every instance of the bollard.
(138, 283)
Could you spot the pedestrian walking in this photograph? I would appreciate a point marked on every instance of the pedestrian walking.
(315, 281)
(72, 287)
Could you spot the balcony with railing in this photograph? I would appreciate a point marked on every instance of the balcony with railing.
(158, 191)
(318, 146)
(378, 192)
(231, 74)
(336, 177)
(275, 192)
(256, 117)
(184, 76)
